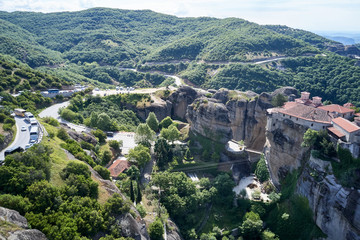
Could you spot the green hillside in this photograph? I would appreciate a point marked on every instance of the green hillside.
(88, 47)
(114, 36)
(16, 76)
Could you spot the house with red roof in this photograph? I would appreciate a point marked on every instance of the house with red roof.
(120, 165)
(346, 129)
(338, 111)
(311, 117)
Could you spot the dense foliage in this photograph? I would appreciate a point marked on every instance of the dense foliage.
(117, 116)
(68, 212)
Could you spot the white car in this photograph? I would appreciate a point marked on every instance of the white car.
(23, 128)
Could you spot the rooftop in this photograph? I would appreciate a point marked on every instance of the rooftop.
(299, 110)
(119, 166)
(336, 132)
(346, 124)
(336, 108)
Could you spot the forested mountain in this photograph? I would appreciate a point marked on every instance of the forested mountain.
(113, 36)
(17, 76)
(89, 46)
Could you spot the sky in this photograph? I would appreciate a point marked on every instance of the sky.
(312, 15)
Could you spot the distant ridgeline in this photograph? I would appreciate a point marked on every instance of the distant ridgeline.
(90, 46)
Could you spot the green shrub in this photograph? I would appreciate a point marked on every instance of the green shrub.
(52, 121)
(7, 127)
(86, 145)
(156, 230)
(62, 134)
(261, 170)
(142, 211)
(2, 117)
(103, 172)
(2, 139)
(10, 121)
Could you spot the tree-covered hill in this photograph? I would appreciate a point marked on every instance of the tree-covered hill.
(306, 36)
(125, 37)
(16, 76)
(22, 44)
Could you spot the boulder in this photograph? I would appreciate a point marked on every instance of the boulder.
(17, 227)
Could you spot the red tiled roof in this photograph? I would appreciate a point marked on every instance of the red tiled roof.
(336, 132)
(357, 114)
(336, 108)
(305, 112)
(346, 124)
(118, 167)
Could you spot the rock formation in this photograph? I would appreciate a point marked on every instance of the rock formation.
(283, 151)
(336, 209)
(130, 226)
(231, 115)
(15, 227)
(181, 99)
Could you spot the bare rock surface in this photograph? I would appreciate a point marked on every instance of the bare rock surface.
(16, 227)
(336, 208)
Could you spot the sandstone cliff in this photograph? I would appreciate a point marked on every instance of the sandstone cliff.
(283, 151)
(336, 209)
(231, 115)
(15, 227)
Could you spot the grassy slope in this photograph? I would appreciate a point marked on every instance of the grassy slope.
(60, 160)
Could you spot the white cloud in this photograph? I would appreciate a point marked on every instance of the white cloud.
(305, 14)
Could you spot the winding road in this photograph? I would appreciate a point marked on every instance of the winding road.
(22, 137)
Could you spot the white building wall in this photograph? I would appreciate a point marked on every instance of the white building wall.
(307, 123)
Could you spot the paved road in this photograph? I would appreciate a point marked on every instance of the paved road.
(53, 110)
(126, 137)
(22, 137)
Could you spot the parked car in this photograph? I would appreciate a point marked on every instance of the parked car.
(109, 134)
(23, 128)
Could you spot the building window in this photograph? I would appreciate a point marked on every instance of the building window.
(274, 125)
(283, 115)
(297, 119)
(312, 124)
(290, 117)
(323, 127)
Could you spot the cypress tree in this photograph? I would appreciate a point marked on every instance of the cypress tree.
(139, 196)
(132, 195)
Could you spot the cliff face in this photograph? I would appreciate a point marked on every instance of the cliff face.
(181, 99)
(336, 209)
(283, 151)
(221, 118)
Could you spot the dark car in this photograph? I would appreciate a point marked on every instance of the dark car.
(109, 134)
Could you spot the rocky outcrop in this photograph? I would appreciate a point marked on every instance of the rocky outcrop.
(131, 226)
(172, 231)
(8, 136)
(82, 137)
(181, 99)
(16, 227)
(336, 209)
(161, 108)
(231, 115)
(283, 151)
